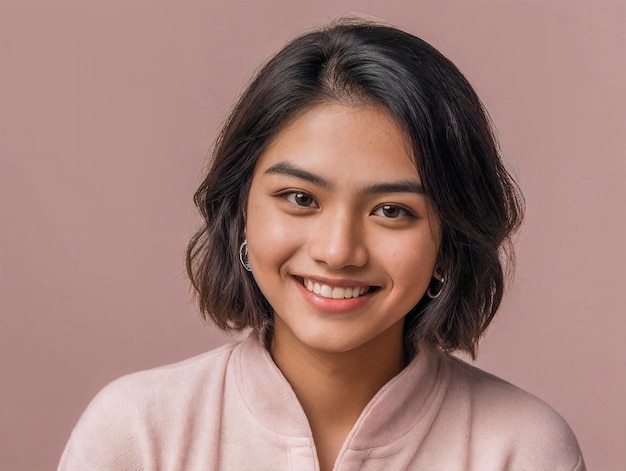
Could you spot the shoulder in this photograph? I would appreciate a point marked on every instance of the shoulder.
(182, 373)
(148, 388)
(531, 433)
(122, 418)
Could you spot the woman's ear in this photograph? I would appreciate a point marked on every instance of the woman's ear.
(438, 272)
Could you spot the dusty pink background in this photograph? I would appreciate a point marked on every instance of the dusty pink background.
(108, 108)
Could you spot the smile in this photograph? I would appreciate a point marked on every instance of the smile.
(334, 292)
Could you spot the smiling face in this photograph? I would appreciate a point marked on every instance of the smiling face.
(340, 236)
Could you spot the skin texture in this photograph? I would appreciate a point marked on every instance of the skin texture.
(335, 199)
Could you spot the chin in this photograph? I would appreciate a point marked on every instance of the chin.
(337, 342)
(329, 344)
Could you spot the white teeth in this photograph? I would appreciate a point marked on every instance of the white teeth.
(336, 292)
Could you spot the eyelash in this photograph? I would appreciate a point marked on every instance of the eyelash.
(291, 197)
(406, 212)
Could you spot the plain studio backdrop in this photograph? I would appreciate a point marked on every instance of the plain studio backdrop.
(108, 109)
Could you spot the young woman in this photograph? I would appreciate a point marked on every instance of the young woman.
(356, 219)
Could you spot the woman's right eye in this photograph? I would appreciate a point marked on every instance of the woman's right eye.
(299, 198)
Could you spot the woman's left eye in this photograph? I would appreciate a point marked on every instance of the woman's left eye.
(391, 211)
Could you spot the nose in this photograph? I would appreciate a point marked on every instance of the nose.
(338, 241)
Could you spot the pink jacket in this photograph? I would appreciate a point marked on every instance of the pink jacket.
(232, 409)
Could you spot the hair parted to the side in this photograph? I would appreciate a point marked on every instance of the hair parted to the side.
(359, 62)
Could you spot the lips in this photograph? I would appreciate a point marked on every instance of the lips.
(333, 292)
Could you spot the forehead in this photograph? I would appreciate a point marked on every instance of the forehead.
(347, 139)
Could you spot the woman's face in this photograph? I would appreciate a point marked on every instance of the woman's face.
(340, 236)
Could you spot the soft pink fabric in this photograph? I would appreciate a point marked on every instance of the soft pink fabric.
(232, 409)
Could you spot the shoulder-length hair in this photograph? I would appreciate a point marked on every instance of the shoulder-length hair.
(455, 152)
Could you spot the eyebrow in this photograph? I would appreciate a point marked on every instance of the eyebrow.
(400, 186)
(291, 170)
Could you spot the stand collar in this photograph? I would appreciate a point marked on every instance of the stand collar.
(392, 412)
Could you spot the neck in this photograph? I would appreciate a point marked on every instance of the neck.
(334, 387)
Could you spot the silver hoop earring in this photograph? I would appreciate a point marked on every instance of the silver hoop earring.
(244, 258)
(440, 282)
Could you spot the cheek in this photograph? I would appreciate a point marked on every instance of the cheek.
(271, 239)
(410, 261)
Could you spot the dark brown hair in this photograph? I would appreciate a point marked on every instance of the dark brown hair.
(456, 154)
